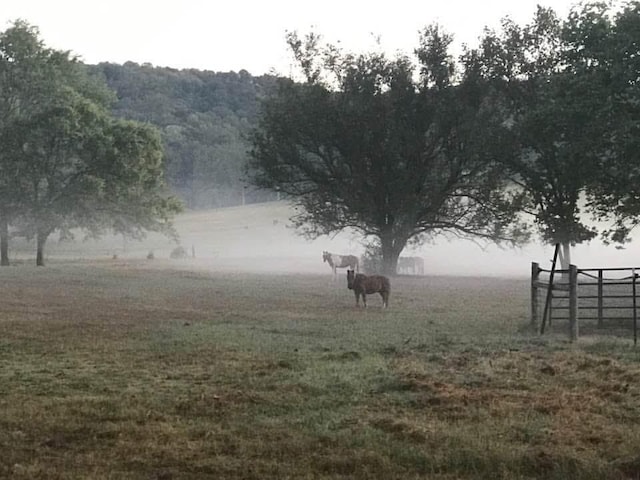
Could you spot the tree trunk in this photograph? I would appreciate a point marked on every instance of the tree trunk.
(4, 242)
(390, 253)
(41, 239)
(565, 260)
(565, 256)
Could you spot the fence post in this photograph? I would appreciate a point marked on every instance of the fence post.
(635, 314)
(547, 303)
(573, 302)
(600, 299)
(535, 274)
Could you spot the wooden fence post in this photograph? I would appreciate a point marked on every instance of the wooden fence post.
(535, 274)
(635, 314)
(547, 303)
(600, 299)
(573, 302)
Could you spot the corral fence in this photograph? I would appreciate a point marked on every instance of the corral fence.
(601, 297)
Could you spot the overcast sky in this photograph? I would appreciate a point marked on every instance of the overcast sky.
(249, 34)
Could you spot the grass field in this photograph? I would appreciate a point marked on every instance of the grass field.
(152, 370)
(250, 362)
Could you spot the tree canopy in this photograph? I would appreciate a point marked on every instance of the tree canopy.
(568, 93)
(363, 144)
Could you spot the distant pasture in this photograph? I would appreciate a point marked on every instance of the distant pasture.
(258, 238)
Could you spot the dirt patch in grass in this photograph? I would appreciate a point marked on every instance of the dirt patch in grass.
(562, 411)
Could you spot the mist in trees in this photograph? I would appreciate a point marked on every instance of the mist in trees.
(203, 118)
(538, 122)
(534, 129)
(397, 152)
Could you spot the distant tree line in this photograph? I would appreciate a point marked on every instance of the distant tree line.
(203, 118)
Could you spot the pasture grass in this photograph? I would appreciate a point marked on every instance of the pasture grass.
(130, 370)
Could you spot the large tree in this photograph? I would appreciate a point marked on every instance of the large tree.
(366, 143)
(568, 104)
(72, 165)
(85, 170)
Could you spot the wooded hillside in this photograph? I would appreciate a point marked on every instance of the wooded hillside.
(203, 117)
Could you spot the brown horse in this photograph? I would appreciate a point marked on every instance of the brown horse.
(340, 261)
(363, 285)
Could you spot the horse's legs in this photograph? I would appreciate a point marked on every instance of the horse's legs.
(385, 299)
(364, 300)
(357, 298)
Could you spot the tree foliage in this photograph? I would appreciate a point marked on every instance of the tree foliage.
(568, 95)
(362, 144)
(70, 163)
(611, 54)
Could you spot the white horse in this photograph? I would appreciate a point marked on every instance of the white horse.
(341, 261)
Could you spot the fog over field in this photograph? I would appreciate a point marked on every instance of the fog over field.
(259, 238)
